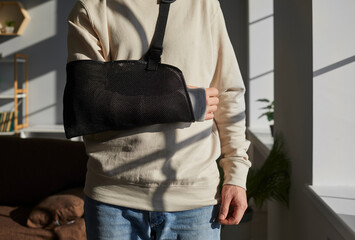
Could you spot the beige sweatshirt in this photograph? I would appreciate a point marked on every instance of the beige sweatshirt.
(164, 167)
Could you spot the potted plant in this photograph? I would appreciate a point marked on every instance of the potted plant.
(269, 113)
(271, 181)
(10, 26)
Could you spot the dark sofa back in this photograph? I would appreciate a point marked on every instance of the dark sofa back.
(31, 169)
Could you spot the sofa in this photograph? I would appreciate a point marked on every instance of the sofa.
(41, 189)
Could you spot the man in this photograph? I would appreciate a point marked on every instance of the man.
(161, 181)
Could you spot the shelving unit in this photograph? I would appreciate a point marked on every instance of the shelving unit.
(13, 11)
(20, 92)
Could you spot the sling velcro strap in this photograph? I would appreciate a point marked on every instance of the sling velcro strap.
(155, 51)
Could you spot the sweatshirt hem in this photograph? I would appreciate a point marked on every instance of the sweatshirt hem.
(157, 198)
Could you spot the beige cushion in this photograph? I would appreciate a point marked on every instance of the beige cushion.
(72, 231)
(57, 210)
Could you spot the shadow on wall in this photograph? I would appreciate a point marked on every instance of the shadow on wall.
(46, 54)
(334, 66)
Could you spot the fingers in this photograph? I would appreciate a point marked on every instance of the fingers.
(223, 212)
(229, 214)
(238, 213)
(211, 92)
(233, 205)
(211, 102)
(211, 108)
(210, 112)
(209, 116)
(235, 215)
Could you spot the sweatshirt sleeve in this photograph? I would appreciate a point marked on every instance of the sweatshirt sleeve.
(230, 116)
(83, 41)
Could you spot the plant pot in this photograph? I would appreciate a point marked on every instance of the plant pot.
(9, 29)
(272, 129)
(242, 231)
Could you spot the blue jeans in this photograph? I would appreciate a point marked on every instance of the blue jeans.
(104, 222)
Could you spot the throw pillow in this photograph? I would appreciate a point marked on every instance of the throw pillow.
(57, 210)
(72, 231)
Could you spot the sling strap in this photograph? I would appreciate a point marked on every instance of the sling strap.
(156, 47)
(126, 94)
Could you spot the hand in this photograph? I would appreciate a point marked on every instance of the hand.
(234, 203)
(211, 101)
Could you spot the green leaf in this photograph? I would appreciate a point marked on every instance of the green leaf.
(270, 116)
(267, 107)
(263, 100)
(272, 180)
(10, 23)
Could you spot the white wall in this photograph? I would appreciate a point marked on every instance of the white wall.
(311, 36)
(261, 59)
(44, 41)
(333, 92)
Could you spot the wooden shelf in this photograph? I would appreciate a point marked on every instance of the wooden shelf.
(11, 60)
(9, 34)
(13, 11)
(20, 95)
(7, 133)
(45, 129)
(12, 96)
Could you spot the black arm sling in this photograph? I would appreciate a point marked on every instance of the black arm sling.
(101, 96)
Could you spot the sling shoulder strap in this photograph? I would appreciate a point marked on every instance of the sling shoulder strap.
(155, 51)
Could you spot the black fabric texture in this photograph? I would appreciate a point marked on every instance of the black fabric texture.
(101, 96)
(116, 95)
